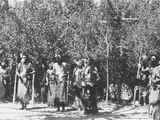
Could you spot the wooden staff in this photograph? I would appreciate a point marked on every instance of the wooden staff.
(15, 85)
(107, 69)
(67, 88)
(33, 90)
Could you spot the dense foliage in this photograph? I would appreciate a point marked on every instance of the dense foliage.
(80, 28)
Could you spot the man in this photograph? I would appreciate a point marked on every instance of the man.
(43, 85)
(156, 75)
(40, 80)
(144, 80)
(78, 76)
(52, 85)
(2, 84)
(91, 76)
(154, 96)
(60, 73)
(5, 76)
(24, 73)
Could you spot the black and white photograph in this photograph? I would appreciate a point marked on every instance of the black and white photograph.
(79, 59)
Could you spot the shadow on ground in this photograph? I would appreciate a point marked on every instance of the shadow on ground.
(116, 114)
(42, 112)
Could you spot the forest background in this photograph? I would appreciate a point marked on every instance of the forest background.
(83, 28)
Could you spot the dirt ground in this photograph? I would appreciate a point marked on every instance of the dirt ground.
(10, 111)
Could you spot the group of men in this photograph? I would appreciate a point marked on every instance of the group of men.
(54, 83)
(85, 78)
(57, 81)
(82, 84)
(149, 78)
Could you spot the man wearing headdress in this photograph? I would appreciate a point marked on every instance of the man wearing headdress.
(24, 72)
(60, 71)
(153, 63)
(91, 76)
(144, 80)
(52, 83)
(154, 94)
(156, 75)
(78, 75)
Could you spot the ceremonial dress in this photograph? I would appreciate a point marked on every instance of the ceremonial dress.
(24, 83)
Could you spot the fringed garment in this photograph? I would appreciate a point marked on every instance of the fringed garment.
(24, 83)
